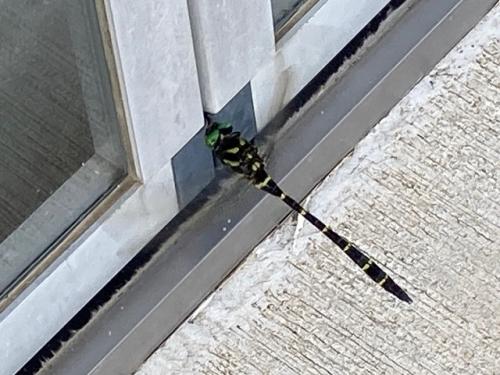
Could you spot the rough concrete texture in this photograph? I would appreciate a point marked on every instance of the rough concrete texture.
(420, 193)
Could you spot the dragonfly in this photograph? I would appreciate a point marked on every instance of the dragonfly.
(242, 157)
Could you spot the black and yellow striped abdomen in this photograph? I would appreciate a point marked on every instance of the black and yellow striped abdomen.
(373, 271)
(243, 158)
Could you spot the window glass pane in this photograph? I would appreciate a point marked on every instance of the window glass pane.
(60, 143)
(284, 10)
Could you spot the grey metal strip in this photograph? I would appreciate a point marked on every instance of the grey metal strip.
(202, 253)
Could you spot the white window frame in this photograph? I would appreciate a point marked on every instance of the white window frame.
(231, 54)
(335, 23)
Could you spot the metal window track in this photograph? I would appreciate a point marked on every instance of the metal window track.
(192, 261)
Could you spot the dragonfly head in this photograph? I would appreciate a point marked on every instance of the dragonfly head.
(214, 132)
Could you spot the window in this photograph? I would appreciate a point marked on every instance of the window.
(287, 12)
(60, 142)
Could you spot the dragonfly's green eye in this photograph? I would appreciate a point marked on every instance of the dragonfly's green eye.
(212, 137)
